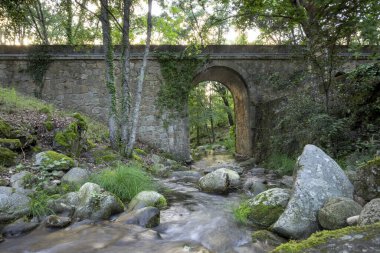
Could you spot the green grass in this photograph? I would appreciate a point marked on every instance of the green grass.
(10, 100)
(242, 212)
(125, 181)
(39, 204)
(281, 163)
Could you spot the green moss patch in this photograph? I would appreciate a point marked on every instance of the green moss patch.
(7, 157)
(52, 160)
(322, 237)
(5, 129)
(12, 144)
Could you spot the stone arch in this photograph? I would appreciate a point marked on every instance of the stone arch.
(237, 86)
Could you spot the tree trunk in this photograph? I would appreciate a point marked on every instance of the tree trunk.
(109, 73)
(69, 21)
(140, 82)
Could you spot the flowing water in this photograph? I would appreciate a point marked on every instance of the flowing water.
(194, 222)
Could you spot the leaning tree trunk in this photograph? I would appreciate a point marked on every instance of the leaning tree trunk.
(125, 77)
(140, 82)
(109, 73)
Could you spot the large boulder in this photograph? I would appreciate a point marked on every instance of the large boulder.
(370, 213)
(76, 175)
(367, 180)
(147, 198)
(318, 178)
(13, 205)
(90, 202)
(51, 160)
(266, 207)
(148, 217)
(219, 181)
(334, 213)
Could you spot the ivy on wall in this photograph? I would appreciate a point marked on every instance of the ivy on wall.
(39, 59)
(178, 70)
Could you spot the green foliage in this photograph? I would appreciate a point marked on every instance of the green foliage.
(39, 60)
(178, 70)
(12, 100)
(242, 212)
(107, 156)
(7, 157)
(281, 163)
(39, 204)
(5, 128)
(125, 181)
(323, 237)
(56, 160)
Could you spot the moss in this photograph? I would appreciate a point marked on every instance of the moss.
(242, 212)
(52, 157)
(12, 144)
(372, 163)
(139, 151)
(105, 156)
(7, 157)
(161, 203)
(321, 238)
(264, 215)
(5, 129)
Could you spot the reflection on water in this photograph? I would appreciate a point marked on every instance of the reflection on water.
(194, 222)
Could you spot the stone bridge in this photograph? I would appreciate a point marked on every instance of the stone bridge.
(75, 81)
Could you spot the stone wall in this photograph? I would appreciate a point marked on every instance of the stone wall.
(75, 81)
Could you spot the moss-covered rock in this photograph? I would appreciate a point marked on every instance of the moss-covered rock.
(367, 180)
(5, 129)
(147, 198)
(51, 160)
(349, 239)
(7, 157)
(334, 213)
(264, 209)
(268, 238)
(107, 156)
(72, 140)
(12, 144)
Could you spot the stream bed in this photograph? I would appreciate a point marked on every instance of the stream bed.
(193, 222)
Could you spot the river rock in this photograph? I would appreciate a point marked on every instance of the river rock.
(334, 213)
(367, 180)
(219, 181)
(186, 176)
(353, 221)
(318, 178)
(55, 221)
(147, 198)
(267, 206)
(254, 186)
(76, 175)
(19, 227)
(148, 217)
(91, 202)
(370, 213)
(18, 179)
(13, 205)
(51, 160)
(268, 238)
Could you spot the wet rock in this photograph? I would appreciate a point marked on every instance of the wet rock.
(51, 160)
(258, 172)
(235, 168)
(353, 221)
(76, 175)
(287, 181)
(250, 163)
(186, 176)
(147, 198)
(318, 178)
(367, 180)
(219, 181)
(19, 227)
(148, 217)
(266, 208)
(13, 205)
(91, 202)
(370, 213)
(55, 221)
(268, 238)
(18, 180)
(334, 213)
(254, 186)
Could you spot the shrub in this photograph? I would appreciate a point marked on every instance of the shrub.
(125, 181)
(281, 163)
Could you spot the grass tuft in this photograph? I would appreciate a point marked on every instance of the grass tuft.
(125, 181)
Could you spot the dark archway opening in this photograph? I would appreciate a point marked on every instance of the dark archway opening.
(236, 85)
(211, 117)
